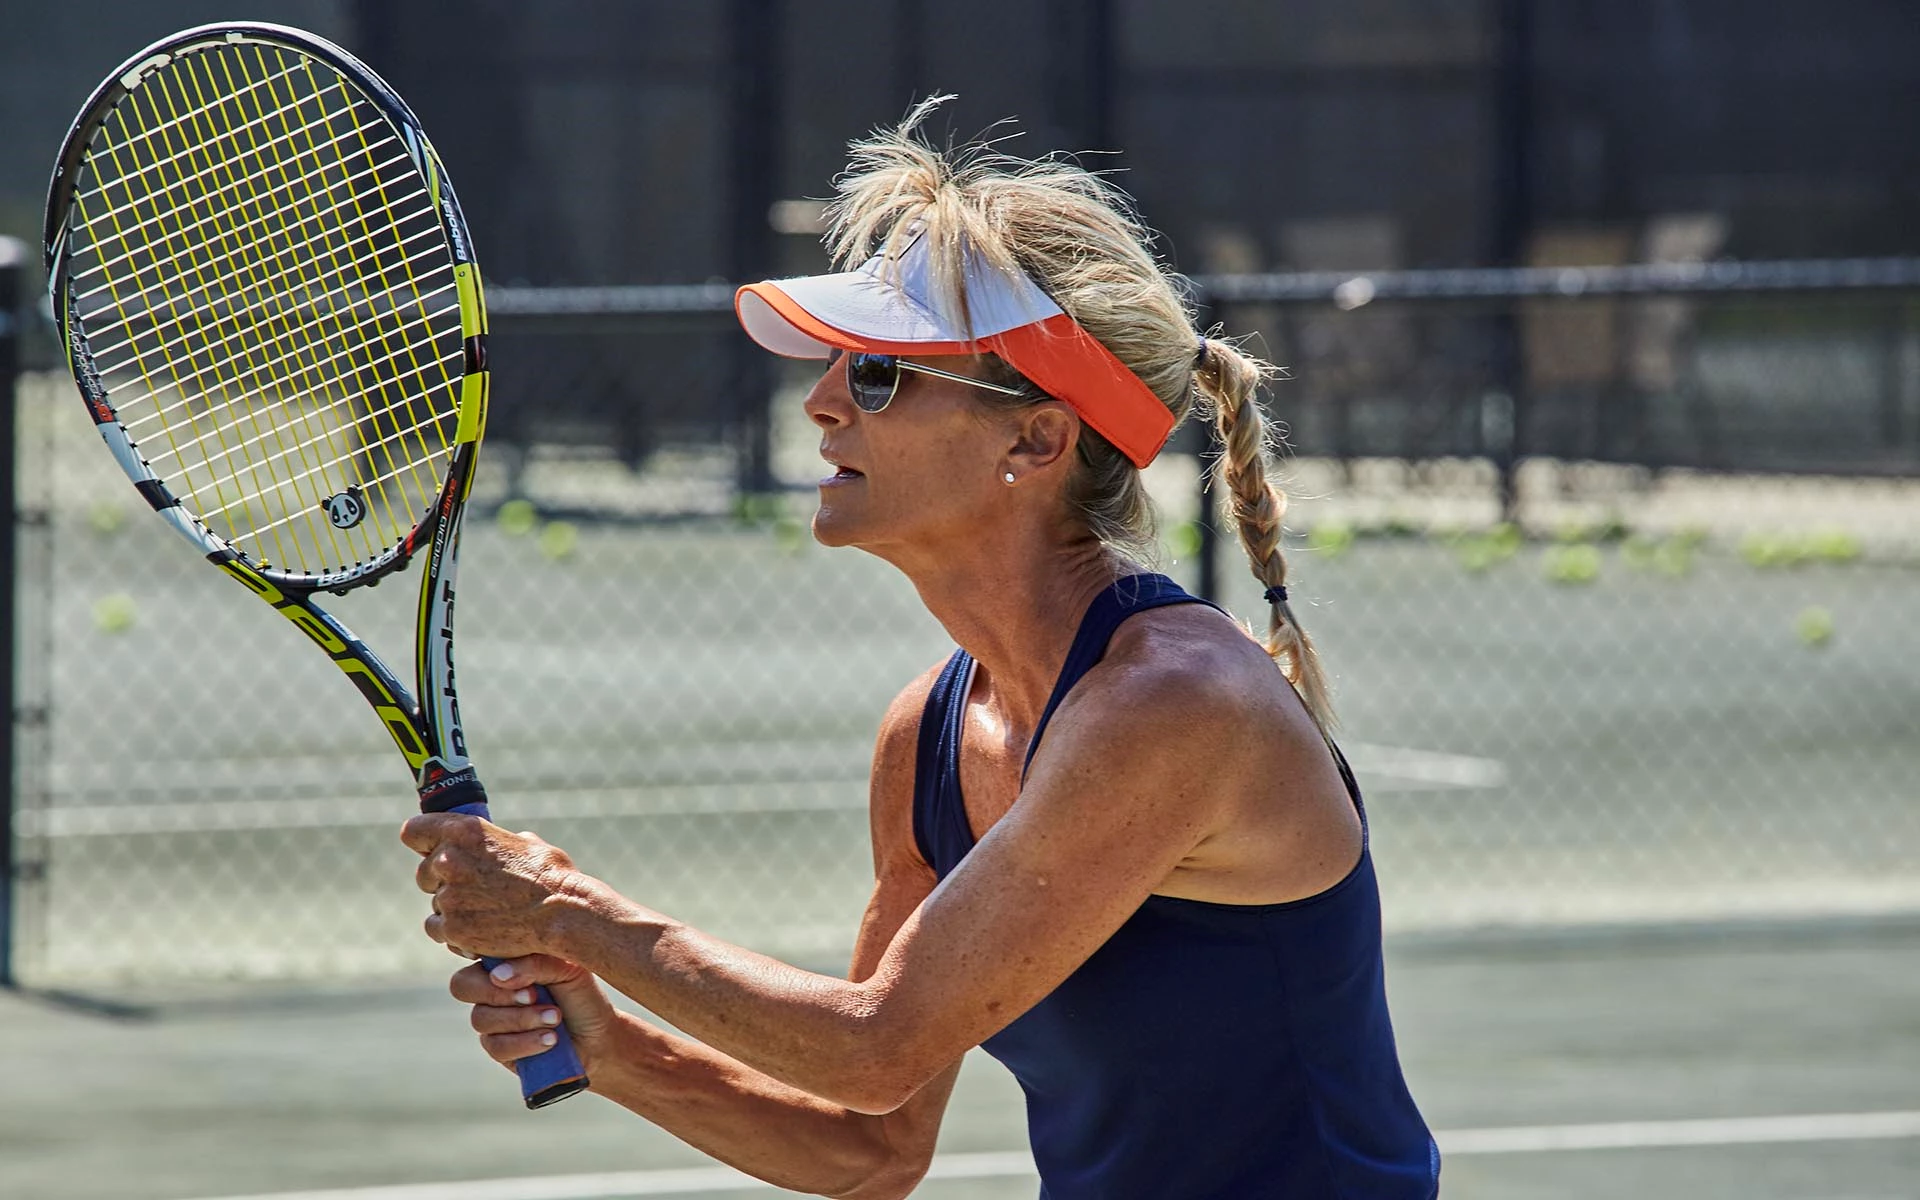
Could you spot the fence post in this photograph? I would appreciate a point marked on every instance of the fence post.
(1513, 215)
(756, 133)
(13, 257)
(1206, 455)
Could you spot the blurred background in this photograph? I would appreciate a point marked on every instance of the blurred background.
(1602, 332)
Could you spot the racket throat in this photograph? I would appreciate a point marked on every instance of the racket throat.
(444, 788)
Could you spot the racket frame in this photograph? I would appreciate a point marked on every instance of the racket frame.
(426, 726)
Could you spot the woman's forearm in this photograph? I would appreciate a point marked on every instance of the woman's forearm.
(752, 1121)
(820, 1035)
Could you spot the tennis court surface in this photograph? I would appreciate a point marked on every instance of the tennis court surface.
(1757, 1062)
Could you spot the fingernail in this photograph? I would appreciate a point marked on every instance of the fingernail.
(523, 996)
(549, 1038)
(502, 973)
(550, 1017)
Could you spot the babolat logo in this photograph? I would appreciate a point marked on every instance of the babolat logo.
(346, 509)
(456, 739)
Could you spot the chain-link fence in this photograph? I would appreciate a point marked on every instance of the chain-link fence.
(1606, 648)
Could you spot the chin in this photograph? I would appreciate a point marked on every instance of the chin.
(831, 528)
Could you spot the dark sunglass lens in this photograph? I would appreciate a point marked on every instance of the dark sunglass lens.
(871, 378)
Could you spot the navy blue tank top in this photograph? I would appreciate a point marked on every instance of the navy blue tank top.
(1217, 1051)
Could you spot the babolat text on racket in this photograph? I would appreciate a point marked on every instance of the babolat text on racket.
(270, 304)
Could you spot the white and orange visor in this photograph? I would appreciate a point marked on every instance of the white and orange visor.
(865, 310)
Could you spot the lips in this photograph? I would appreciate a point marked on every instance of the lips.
(842, 470)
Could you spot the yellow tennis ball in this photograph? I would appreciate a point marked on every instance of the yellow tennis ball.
(516, 518)
(114, 613)
(1183, 540)
(106, 518)
(559, 540)
(1814, 626)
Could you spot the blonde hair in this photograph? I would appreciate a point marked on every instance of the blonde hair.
(1079, 238)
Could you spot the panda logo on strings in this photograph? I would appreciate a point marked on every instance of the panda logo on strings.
(347, 509)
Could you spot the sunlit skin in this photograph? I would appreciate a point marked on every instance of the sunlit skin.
(1182, 765)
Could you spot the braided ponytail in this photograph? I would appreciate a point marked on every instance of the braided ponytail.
(1230, 379)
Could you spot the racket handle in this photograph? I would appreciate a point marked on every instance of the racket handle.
(555, 1073)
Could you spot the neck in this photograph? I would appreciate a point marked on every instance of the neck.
(1015, 609)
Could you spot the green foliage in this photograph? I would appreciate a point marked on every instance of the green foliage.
(1791, 550)
(1331, 538)
(758, 508)
(1577, 564)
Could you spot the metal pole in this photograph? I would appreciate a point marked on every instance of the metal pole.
(756, 135)
(1103, 69)
(13, 256)
(1512, 222)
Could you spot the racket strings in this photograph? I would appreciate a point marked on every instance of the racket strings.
(269, 308)
(200, 450)
(148, 178)
(162, 411)
(217, 241)
(154, 174)
(103, 356)
(324, 444)
(199, 346)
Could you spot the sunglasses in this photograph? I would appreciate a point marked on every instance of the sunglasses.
(872, 379)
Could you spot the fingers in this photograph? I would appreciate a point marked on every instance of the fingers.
(512, 1047)
(511, 1026)
(472, 985)
(441, 865)
(488, 1020)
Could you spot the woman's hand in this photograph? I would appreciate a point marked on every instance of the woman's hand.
(494, 892)
(512, 1026)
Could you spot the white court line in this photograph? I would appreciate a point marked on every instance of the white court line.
(1517, 1139)
(1404, 769)
(214, 816)
(678, 1181)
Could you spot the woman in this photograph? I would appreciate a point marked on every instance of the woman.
(1113, 845)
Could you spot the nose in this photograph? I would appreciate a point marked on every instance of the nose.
(828, 405)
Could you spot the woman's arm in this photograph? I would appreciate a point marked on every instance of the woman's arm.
(1129, 781)
(738, 1115)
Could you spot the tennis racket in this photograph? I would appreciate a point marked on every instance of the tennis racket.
(271, 307)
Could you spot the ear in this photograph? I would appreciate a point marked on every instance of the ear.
(1045, 434)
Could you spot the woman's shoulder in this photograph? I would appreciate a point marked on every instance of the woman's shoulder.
(900, 726)
(1192, 681)
(896, 749)
(896, 756)
(1191, 652)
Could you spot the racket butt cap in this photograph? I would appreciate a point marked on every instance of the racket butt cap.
(553, 1093)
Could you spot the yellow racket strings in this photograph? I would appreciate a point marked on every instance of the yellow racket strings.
(268, 296)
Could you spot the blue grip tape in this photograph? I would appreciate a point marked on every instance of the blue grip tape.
(555, 1073)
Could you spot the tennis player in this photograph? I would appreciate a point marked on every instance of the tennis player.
(1112, 843)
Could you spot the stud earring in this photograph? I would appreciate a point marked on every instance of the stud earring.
(1009, 478)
